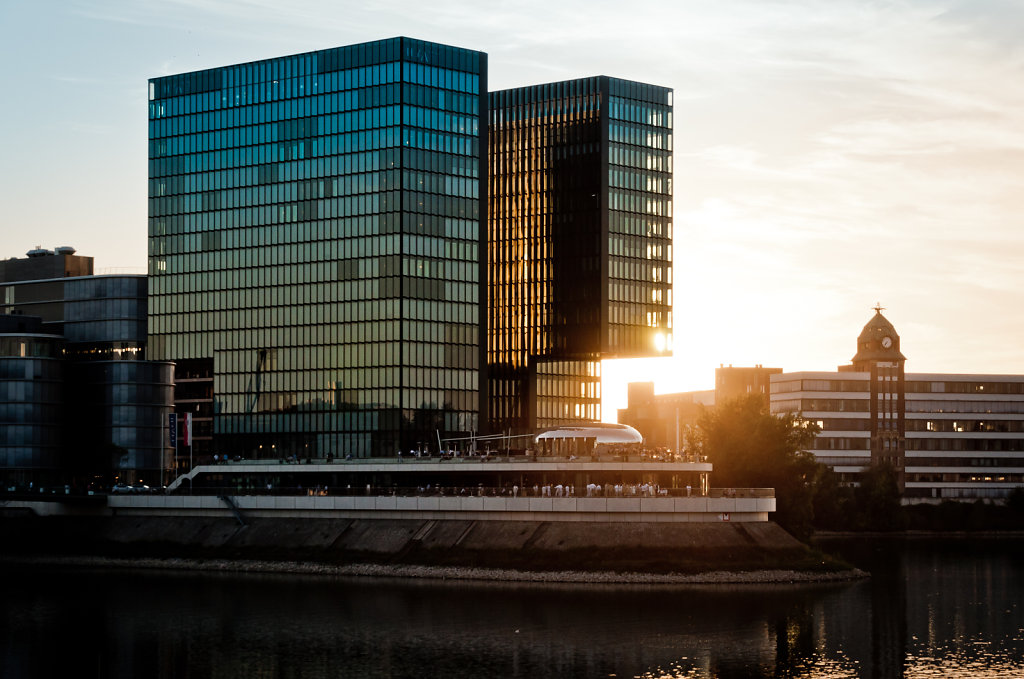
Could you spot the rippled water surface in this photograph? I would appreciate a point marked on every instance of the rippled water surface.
(932, 609)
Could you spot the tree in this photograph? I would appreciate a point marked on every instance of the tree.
(751, 447)
(1015, 501)
(878, 499)
(835, 507)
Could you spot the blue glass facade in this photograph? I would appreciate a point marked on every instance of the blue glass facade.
(315, 227)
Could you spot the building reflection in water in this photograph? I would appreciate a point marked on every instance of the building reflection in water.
(934, 610)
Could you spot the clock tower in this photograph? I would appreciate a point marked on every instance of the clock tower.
(878, 353)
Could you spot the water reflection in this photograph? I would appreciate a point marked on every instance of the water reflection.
(927, 612)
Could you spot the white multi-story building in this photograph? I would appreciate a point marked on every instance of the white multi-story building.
(949, 436)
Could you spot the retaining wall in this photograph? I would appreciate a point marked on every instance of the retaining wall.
(656, 510)
(532, 545)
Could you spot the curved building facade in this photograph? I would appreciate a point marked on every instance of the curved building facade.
(118, 401)
(31, 410)
(586, 439)
(125, 417)
(108, 313)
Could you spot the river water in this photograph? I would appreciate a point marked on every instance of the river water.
(933, 609)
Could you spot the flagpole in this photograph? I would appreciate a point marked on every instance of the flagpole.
(172, 429)
(188, 440)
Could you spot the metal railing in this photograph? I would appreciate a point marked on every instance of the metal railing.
(462, 458)
(619, 491)
(741, 492)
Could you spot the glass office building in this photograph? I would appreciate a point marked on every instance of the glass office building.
(315, 242)
(580, 233)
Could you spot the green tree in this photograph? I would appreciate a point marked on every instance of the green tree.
(750, 447)
(878, 499)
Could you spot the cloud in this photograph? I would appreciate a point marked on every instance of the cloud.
(827, 154)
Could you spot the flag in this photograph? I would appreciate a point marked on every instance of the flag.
(172, 429)
(186, 430)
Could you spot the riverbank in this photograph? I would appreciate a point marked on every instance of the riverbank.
(917, 534)
(667, 549)
(722, 577)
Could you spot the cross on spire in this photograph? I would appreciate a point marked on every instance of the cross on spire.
(878, 307)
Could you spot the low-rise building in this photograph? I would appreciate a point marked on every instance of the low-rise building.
(950, 436)
(662, 419)
(79, 403)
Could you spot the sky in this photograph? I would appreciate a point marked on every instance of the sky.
(828, 155)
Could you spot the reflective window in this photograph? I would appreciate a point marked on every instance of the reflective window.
(314, 237)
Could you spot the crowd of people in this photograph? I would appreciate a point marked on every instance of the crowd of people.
(619, 453)
(537, 490)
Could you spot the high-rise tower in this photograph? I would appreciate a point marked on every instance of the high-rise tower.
(579, 243)
(315, 243)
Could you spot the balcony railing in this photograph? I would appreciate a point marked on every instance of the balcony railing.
(545, 491)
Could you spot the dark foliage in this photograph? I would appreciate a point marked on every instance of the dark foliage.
(950, 515)
(751, 448)
(877, 500)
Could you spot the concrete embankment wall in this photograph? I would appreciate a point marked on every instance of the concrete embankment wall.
(599, 509)
(655, 547)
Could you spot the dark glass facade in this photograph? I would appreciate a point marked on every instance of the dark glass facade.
(118, 402)
(31, 403)
(580, 254)
(315, 236)
(118, 411)
(105, 316)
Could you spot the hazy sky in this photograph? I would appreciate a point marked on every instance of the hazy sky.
(828, 155)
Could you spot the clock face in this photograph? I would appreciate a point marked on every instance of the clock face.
(887, 342)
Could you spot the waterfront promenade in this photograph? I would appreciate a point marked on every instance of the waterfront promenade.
(599, 488)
